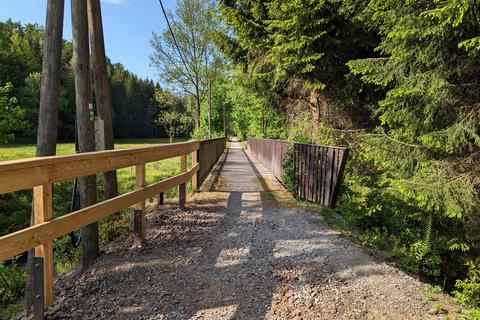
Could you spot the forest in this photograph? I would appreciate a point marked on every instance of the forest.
(397, 82)
(135, 107)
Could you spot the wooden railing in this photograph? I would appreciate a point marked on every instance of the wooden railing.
(270, 153)
(318, 169)
(319, 172)
(209, 152)
(41, 173)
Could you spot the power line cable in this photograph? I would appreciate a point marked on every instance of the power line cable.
(173, 35)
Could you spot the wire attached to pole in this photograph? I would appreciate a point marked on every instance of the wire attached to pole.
(173, 35)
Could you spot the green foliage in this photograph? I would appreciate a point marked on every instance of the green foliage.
(282, 40)
(200, 133)
(134, 106)
(12, 280)
(185, 55)
(428, 115)
(12, 310)
(426, 253)
(468, 290)
(423, 150)
(430, 292)
(175, 123)
(11, 115)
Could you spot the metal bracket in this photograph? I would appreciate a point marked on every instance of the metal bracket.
(137, 222)
(182, 196)
(160, 199)
(38, 289)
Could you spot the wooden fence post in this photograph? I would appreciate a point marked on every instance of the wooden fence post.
(43, 213)
(195, 176)
(182, 190)
(139, 211)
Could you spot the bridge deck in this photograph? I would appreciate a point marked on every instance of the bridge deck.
(238, 254)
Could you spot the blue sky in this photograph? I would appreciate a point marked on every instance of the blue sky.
(128, 26)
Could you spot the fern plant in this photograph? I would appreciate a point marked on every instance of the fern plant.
(426, 252)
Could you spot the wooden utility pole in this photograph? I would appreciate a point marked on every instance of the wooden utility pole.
(102, 89)
(50, 82)
(86, 141)
(47, 124)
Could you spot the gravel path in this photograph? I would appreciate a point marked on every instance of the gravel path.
(237, 254)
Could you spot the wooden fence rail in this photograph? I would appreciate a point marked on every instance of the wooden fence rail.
(209, 152)
(318, 169)
(41, 173)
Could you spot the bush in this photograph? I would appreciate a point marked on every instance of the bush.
(468, 290)
(13, 282)
(200, 133)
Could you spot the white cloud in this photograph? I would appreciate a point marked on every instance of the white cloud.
(117, 2)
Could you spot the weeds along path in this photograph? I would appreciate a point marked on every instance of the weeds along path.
(239, 254)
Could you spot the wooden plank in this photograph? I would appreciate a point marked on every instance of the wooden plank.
(300, 175)
(322, 176)
(334, 174)
(195, 176)
(26, 178)
(328, 176)
(17, 242)
(302, 170)
(295, 169)
(42, 196)
(340, 174)
(310, 172)
(105, 163)
(208, 154)
(315, 174)
(306, 175)
(44, 170)
(305, 172)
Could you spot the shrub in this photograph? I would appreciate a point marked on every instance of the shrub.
(13, 282)
(468, 289)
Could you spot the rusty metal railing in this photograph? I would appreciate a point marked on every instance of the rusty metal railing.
(318, 169)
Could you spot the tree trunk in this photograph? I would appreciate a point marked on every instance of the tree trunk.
(102, 90)
(86, 141)
(224, 122)
(197, 106)
(48, 109)
(264, 127)
(209, 109)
